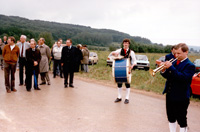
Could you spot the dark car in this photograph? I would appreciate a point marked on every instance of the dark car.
(197, 65)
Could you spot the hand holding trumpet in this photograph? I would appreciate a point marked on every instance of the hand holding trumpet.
(162, 66)
(165, 64)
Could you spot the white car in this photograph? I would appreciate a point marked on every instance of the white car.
(93, 58)
(142, 62)
(110, 60)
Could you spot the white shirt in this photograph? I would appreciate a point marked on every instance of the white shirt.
(25, 45)
(12, 47)
(57, 52)
(184, 59)
(70, 46)
(132, 54)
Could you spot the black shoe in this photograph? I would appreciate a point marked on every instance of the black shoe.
(49, 83)
(29, 90)
(126, 101)
(20, 84)
(43, 83)
(65, 86)
(118, 100)
(61, 76)
(37, 88)
(71, 85)
(54, 76)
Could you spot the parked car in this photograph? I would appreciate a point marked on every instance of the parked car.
(195, 85)
(142, 62)
(162, 58)
(110, 60)
(197, 65)
(93, 58)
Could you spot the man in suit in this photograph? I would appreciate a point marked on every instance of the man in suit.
(23, 45)
(177, 88)
(5, 40)
(10, 55)
(68, 61)
(33, 58)
(171, 55)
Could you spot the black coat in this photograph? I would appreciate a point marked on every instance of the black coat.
(69, 58)
(32, 56)
(78, 60)
(179, 78)
(169, 56)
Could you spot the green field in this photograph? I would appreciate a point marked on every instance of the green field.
(141, 79)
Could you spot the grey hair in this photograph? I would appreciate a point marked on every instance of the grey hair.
(23, 36)
(33, 40)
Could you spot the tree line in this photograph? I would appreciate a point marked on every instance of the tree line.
(52, 31)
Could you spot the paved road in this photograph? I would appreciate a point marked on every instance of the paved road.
(89, 107)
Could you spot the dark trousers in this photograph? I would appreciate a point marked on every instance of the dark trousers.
(45, 75)
(120, 85)
(57, 63)
(82, 69)
(71, 74)
(1, 63)
(29, 81)
(9, 69)
(177, 111)
(22, 64)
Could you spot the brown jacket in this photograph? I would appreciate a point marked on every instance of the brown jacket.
(9, 56)
(86, 55)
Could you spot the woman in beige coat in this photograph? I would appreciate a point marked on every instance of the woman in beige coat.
(85, 60)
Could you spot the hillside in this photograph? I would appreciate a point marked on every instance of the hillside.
(15, 26)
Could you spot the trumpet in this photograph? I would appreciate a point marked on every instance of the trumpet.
(161, 67)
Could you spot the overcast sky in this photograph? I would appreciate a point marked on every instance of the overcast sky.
(161, 21)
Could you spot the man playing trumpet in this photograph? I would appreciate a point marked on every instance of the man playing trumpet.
(177, 88)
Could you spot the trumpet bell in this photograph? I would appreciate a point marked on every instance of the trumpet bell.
(151, 71)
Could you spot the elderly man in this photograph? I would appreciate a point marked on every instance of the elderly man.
(23, 46)
(44, 63)
(33, 57)
(68, 61)
(10, 55)
(179, 76)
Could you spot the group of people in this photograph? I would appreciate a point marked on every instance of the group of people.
(178, 74)
(35, 57)
(33, 60)
(82, 58)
